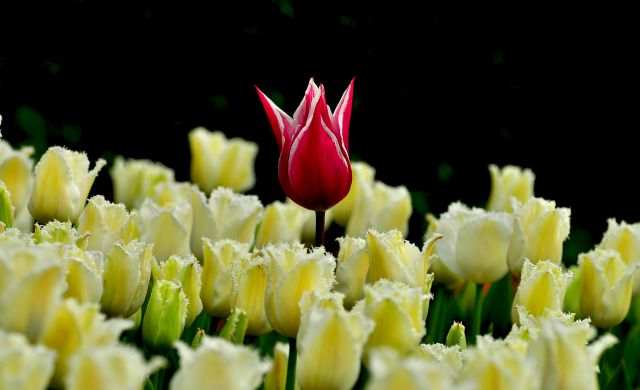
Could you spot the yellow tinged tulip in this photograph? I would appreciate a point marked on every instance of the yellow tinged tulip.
(105, 223)
(249, 277)
(125, 280)
(16, 172)
(166, 314)
(362, 181)
(7, 211)
(217, 271)
(625, 239)
(606, 288)
(507, 182)
(539, 231)
(293, 271)
(135, 180)
(276, 378)
(62, 184)
(167, 227)
(542, 287)
(220, 162)
(399, 313)
(282, 223)
(234, 366)
(84, 274)
(353, 265)
(187, 272)
(330, 343)
(110, 367)
(75, 327)
(22, 365)
(58, 232)
(450, 357)
(382, 208)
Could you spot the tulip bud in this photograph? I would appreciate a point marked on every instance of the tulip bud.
(105, 223)
(456, 336)
(236, 366)
(167, 227)
(235, 326)
(292, 272)
(110, 367)
(508, 182)
(217, 275)
(314, 168)
(276, 378)
(625, 239)
(393, 258)
(166, 314)
(390, 370)
(382, 208)
(127, 270)
(220, 162)
(353, 265)
(62, 184)
(542, 287)
(330, 342)
(186, 272)
(16, 168)
(24, 366)
(539, 231)
(134, 180)
(75, 327)
(363, 175)
(249, 276)
(282, 223)
(7, 210)
(475, 245)
(607, 284)
(398, 312)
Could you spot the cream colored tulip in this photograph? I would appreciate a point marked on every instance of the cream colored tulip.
(135, 180)
(84, 274)
(293, 271)
(282, 223)
(167, 227)
(382, 208)
(276, 378)
(58, 232)
(22, 365)
(105, 223)
(362, 181)
(24, 221)
(217, 286)
(353, 265)
(110, 367)
(31, 287)
(606, 288)
(539, 231)
(248, 292)
(330, 343)
(62, 184)
(166, 314)
(507, 182)
(220, 162)
(399, 313)
(187, 272)
(542, 287)
(496, 364)
(450, 357)
(75, 327)
(236, 366)
(127, 271)
(393, 258)
(7, 211)
(16, 172)
(625, 239)
(391, 370)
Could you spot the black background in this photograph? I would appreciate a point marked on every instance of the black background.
(440, 93)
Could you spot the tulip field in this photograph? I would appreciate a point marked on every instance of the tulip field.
(200, 284)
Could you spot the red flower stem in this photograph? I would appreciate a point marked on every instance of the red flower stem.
(319, 228)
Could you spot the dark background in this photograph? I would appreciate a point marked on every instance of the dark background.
(440, 93)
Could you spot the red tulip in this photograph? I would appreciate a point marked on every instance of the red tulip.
(314, 168)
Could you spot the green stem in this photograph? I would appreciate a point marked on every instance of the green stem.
(477, 314)
(291, 365)
(319, 228)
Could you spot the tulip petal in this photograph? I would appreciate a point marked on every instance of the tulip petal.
(342, 116)
(279, 120)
